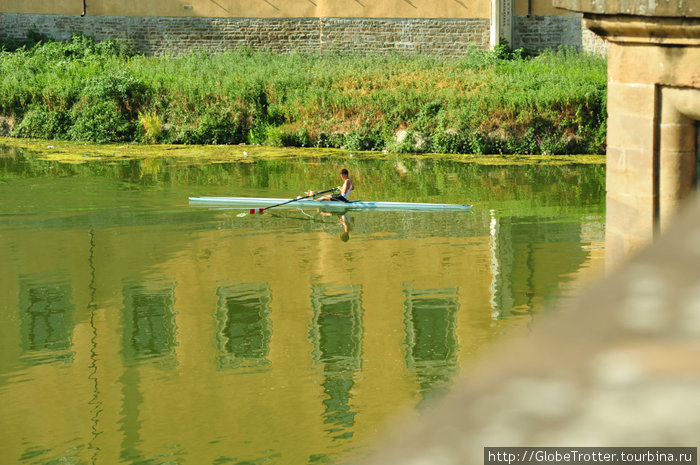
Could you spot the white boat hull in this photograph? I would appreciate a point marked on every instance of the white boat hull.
(261, 202)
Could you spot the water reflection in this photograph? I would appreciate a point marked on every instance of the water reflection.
(336, 334)
(528, 256)
(46, 315)
(149, 323)
(244, 325)
(430, 319)
(345, 223)
(171, 346)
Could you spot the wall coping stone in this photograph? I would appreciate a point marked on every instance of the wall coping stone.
(669, 8)
(639, 29)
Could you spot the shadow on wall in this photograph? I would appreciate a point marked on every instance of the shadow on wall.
(617, 367)
(538, 32)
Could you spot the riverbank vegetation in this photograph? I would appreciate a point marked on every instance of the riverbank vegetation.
(487, 102)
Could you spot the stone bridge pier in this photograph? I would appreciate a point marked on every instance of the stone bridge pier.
(653, 113)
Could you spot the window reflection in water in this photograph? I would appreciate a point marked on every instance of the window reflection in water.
(336, 334)
(149, 322)
(244, 326)
(430, 320)
(46, 314)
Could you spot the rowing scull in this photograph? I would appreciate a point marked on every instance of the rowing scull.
(254, 202)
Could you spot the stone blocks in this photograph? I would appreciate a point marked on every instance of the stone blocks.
(665, 8)
(630, 175)
(653, 101)
(538, 32)
(161, 35)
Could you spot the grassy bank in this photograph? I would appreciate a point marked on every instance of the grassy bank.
(484, 103)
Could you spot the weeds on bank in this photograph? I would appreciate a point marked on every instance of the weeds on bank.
(499, 101)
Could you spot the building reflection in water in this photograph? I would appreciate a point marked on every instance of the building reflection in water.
(530, 258)
(244, 328)
(46, 318)
(336, 334)
(136, 330)
(149, 323)
(430, 321)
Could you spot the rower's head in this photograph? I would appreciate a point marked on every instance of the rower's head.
(344, 173)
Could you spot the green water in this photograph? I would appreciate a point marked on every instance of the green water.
(137, 329)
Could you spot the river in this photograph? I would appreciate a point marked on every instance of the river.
(137, 329)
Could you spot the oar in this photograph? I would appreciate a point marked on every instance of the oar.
(260, 210)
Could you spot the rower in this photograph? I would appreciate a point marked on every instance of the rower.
(345, 189)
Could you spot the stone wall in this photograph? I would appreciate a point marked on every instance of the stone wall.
(593, 43)
(445, 37)
(538, 32)
(159, 35)
(437, 36)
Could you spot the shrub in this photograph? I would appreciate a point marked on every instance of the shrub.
(152, 126)
(119, 86)
(483, 144)
(101, 122)
(330, 140)
(450, 141)
(222, 126)
(41, 122)
(365, 138)
(296, 138)
(503, 51)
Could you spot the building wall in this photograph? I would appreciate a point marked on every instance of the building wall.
(259, 8)
(442, 27)
(158, 35)
(536, 7)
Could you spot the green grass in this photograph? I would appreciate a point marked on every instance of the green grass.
(483, 103)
